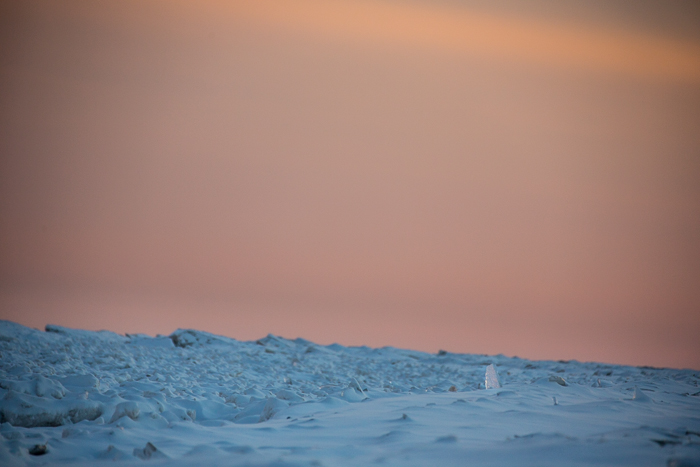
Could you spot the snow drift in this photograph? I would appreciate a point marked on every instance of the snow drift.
(193, 398)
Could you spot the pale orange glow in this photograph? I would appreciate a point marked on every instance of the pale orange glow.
(449, 28)
(454, 29)
(408, 173)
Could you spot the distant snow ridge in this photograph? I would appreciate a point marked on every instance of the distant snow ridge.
(64, 376)
(82, 397)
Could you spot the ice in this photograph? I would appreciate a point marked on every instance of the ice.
(111, 453)
(558, 379)
(32, 411)
(38, 450)
(639, 396)
(271, 407)
(126, 409)
(288, 395)
(38, 386)
(80, 381)
(194, 398)
(148, 452)
(491, 378)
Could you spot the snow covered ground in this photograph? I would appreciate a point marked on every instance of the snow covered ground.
(72, 397)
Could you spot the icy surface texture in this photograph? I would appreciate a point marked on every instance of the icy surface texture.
(71, 397)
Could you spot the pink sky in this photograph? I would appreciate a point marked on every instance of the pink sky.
(488, 177)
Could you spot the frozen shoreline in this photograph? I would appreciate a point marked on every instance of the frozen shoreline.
(75, 397)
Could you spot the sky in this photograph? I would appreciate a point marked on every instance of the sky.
(487, 177)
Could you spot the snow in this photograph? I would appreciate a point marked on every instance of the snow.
(74, 397)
